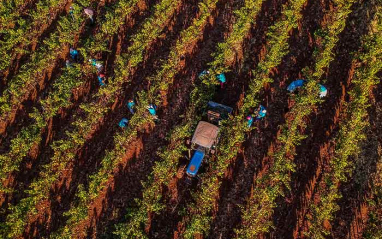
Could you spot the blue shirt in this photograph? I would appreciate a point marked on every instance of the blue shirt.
(73, 53)
(250, 121)
(152, 109)
(262, 112)
(203, 73)
(100, 81)
(123, 122)
(130, 104)
(295, 84)
(221, 78)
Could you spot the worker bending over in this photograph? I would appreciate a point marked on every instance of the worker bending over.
(152, 110)
(123, 122)
(260, 114)
(220, 77)
(73, 54)
(130, 106)
(101, 79)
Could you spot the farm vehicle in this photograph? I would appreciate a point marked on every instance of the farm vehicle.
(206, 136)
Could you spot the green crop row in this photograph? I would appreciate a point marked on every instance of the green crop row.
(257, 215)
(60, 95)
(351, 133)
(32, 134)
(10, 11)
(374, 222)
(161, 82)
(17, 39)
(114, 20)
(229, 49)
(21, 86)
(65, 150)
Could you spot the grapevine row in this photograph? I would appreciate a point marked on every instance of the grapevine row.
(65, 150)
(374, 222)
(21, 86)
(11, 10)
(60, 96)
(351, 133)
(17, 39)
(270, 186)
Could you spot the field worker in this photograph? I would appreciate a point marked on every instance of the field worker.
(73, 54)
(152, 109)
(123, 122)
(203, 73)
(71, 12)
(101, 79)
(130, 105)
(295, 85)
(67, 63)
(98, 65)
(90, 13)
(249, 120)
(221, 78)
(299, 83)
(261, 113)
(323, 91)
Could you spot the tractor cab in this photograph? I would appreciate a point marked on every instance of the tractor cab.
(205, 137)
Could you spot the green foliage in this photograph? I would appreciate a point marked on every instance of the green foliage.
(324, 54)
(16, 39)
(21, 85)
(374, 221)
(10, 12)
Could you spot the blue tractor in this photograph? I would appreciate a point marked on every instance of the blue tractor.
(205, 137)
